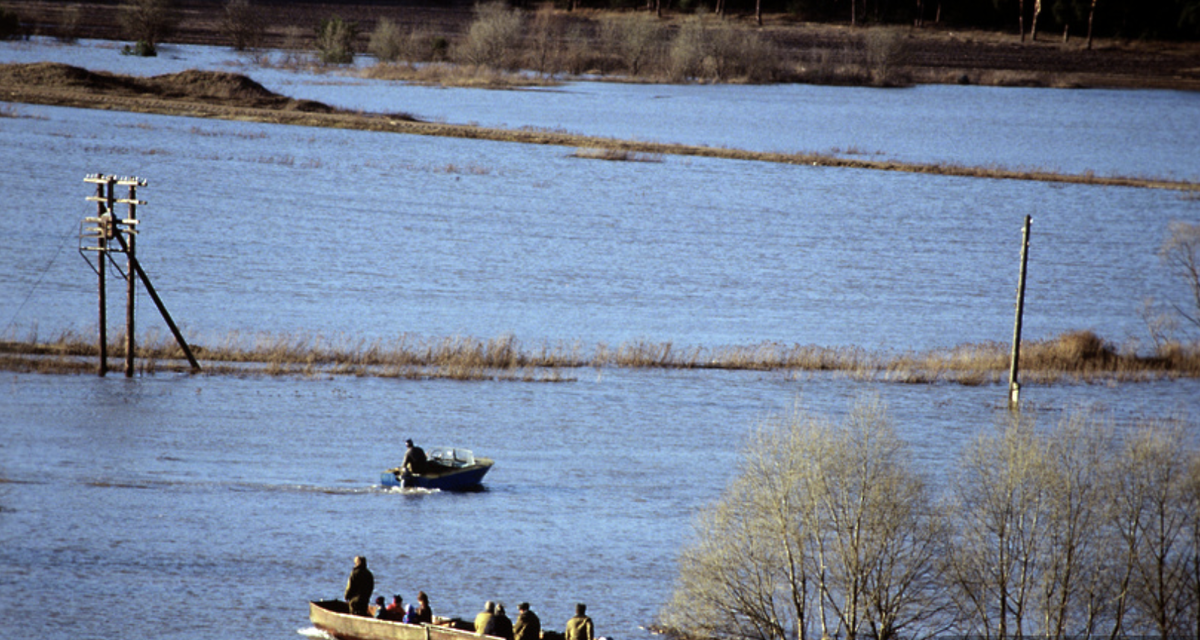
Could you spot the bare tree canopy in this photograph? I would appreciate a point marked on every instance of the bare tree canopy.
(828, 531)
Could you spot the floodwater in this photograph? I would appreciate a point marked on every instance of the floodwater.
(175, 506)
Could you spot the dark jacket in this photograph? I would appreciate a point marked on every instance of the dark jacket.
(358, 590)
(502, 626)
(528, 626)
(414, 460)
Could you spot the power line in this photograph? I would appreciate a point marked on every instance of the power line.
(71, 231)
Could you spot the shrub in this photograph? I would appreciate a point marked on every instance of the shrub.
(493, 39)
(389, 44)
(244, 25)
(546, 37)
(68, 24)
(721, 52)
(634, 39)
(687, 50)
(141, 49)
(386, 43)
(335, 40)
(884, 49)
(10, 25)
(148, 22)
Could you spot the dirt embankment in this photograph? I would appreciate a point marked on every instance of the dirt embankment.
(53, 83)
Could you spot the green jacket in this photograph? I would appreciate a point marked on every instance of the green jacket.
(579, 628)
(527, 627)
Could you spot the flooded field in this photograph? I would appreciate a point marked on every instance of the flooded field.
(176, 506)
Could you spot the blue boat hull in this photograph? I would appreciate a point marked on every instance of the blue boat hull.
(462, 479)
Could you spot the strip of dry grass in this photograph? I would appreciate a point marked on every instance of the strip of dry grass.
(1078, 356)
(441, 74)
(617, 155)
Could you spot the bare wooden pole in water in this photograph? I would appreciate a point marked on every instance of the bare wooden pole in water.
(101, 272)
(124, 232)
(162, 308)
(1014, 387)
(130, 283)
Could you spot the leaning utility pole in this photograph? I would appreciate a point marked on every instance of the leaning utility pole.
(123, 231)
(1014, 387)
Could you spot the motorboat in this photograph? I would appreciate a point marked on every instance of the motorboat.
(446, 468)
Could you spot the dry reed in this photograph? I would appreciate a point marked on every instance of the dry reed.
(1076, 356)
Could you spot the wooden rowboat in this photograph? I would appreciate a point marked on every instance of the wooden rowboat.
(334, 617)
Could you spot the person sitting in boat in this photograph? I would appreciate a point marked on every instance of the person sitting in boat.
(359, 588)
(410, 615)
(380, 607)
(424, 613)
(394, 611)
(502, 626)
(484, 622)
(414, 458)
(528, 626)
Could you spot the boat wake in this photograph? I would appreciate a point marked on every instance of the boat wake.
(410, 491)
(315, 633)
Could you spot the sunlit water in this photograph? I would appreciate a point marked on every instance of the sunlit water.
(183, 507)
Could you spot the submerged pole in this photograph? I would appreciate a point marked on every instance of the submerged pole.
(162, 308)
(130, 287)
(103, 208)
(1014, 387)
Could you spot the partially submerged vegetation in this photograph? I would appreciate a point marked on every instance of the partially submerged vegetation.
(1078, 356)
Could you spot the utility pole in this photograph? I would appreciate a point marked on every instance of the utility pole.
(123, 231)
(1014, 387)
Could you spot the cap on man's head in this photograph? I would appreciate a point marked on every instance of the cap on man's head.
(580, 609)
(524, 606)
(397, 598)
(408, 442)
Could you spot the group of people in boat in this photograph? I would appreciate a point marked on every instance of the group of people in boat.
(492, 621)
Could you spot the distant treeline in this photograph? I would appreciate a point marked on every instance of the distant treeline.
(1167, 19)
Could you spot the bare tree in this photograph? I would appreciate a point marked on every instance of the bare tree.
(1148, 492)
(827, 531)
(494, 37)
(874, 531)
(244, 24)
(386, 43)
(1073, 587)
(1192, 572)
(1181, 252)
(748, 575)
(1003, 506)
(634, 38)
(1091, 19)
(148, 21)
